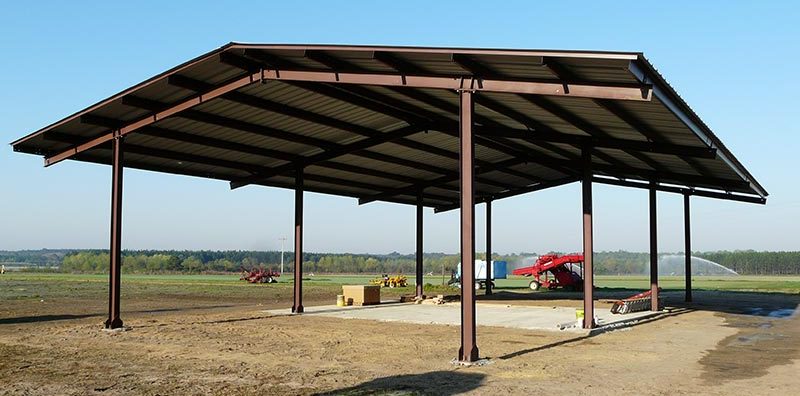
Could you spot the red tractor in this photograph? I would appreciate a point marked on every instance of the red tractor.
(553, 271)
(259, 275)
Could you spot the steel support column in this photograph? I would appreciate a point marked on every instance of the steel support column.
(687, 234)
(588, 242)
(469, 348)
(653, 250)
(115, 250)
(298, 241)
(419, 245)
(489, 247)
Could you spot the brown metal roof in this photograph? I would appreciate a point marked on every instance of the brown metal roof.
(385, 141)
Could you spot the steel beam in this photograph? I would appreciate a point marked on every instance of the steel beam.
(683, 190)
(665, 177)
(600, 142)
(610, 91)
(155, 117)
(115, 250)
(489, 247)
(297, 307)
(653, 249)
(687, 235)
(588, 242)
(469, 347)
(419, 278)
(517, 191)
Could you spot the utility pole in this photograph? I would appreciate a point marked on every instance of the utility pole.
(283, 240)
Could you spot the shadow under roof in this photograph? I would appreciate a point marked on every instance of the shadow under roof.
(381, 123)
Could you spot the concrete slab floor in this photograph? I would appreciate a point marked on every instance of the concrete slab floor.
(521, 317)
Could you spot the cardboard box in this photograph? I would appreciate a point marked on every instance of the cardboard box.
(361, 294)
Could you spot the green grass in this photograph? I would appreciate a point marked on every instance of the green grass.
(17, 285)
(20, 285)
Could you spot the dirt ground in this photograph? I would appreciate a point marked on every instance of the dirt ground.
(724, 343)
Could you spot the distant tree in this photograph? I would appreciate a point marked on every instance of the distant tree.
(192, 264)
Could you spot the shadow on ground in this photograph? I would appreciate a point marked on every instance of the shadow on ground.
(646, 320)
(52, 318)
(434, 383)
(43, 318)
(732, 302)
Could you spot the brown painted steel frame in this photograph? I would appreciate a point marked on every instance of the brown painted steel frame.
(682, 190)
(588, 242)
(419, 280)
(687, 236)
(489, 268)
(115, 250)
(297, 307)
(653, 249)
(510, 193)
(469, 348)
(618, 92)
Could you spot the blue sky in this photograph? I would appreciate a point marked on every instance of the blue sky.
(734, 63)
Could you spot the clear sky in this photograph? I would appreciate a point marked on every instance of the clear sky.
(735, 63)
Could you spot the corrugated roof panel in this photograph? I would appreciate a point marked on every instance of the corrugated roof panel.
(624, 158)
(263, 119)
(417, 156)
(161, 143)
(433, 63)
(356, 179)
(233, 135)
(162, 91)
(385, 166)
(590, 113)
(539, 171)
(212, 72)
(319, 104)
(404, 102)
(544, 150)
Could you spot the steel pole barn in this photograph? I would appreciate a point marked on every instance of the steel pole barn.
(443, 128)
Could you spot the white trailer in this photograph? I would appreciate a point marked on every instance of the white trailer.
(498, 272)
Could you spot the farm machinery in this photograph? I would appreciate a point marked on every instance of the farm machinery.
(636, 303)
(390, 281)
(259, 275)
(554, 271)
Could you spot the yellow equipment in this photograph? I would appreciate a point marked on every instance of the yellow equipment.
(390, 281)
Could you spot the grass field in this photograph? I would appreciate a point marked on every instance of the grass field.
(20, 285)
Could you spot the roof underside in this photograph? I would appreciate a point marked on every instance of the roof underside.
(388, 142)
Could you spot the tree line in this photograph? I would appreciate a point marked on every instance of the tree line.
(184, 261)
(750, 262)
